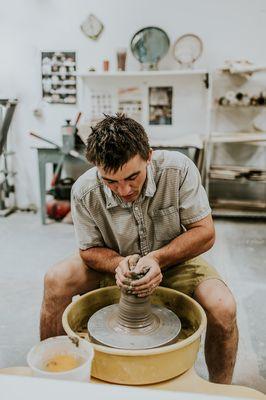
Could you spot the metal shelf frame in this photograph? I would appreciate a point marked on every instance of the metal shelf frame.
(254, 138)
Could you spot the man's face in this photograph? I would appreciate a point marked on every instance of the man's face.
(128, 181)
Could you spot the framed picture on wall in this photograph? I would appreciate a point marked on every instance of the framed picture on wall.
(58, 77)
(160, 105)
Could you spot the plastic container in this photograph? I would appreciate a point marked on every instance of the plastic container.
(140, 367)
(46, 350)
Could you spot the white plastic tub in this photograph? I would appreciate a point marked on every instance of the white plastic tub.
(61, 345)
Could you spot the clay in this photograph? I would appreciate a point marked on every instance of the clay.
(134, 323)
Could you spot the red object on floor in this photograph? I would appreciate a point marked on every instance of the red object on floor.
(57, 209)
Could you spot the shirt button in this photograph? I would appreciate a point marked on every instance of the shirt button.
(136, 208)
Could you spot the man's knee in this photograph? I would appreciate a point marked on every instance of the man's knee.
(222, 314)
(221, 309)
(60, 280)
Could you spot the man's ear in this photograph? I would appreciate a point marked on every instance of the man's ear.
(149, 156)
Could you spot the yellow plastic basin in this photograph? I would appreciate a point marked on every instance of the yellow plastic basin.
(140, 367)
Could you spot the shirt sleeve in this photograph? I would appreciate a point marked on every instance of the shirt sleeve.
(193, 201)
(86, 231)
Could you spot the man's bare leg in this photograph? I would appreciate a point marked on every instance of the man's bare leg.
(222, 333)
(63, 281)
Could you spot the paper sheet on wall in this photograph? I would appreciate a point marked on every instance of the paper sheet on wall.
(130, 102)
(102, 102)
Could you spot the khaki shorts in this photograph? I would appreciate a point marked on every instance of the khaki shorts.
(184, 277)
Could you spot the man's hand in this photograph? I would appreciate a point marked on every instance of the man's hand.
(122, 272)
(146, 285)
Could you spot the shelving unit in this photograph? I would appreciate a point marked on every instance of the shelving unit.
(58, 77)
(231, 176)
(175, 139)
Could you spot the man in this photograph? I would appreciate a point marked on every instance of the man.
(151, 204)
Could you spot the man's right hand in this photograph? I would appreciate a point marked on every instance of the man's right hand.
(122, 272)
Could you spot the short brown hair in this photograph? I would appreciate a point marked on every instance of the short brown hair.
(115, 140)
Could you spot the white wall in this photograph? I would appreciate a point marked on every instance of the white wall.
(230, 29)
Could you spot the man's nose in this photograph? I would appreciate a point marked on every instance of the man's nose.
(124, 189)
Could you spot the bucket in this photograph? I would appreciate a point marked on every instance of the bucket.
(50, 355)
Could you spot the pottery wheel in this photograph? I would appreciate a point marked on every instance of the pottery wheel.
(134, 324)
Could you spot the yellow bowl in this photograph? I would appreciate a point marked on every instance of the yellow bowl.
(139, 367)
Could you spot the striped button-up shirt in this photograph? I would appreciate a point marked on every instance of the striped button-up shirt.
(172, 198)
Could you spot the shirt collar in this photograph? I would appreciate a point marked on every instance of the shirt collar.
(112, 200)
(151, 185)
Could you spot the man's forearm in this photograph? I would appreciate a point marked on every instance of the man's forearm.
(186, 246)
(101, 259)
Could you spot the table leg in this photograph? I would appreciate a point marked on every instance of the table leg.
(42, 178)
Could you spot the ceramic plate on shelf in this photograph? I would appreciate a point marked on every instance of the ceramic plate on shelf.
(149, 46)
(188, 49)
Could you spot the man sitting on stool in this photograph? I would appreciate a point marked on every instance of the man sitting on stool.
(136, 201)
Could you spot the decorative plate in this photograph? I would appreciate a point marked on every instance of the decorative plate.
(149, 46)
(188, 49)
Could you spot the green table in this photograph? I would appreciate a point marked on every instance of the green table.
(48, 155)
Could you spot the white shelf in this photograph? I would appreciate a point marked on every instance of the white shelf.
(191, 140)
(236, 106)
(238, 69)
(236, 208)
(233, 178)
(228, 213)
(237, 137)
(239, 205)
(60, 74)
(120, 74)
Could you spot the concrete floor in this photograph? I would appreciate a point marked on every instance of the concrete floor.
(27, 249)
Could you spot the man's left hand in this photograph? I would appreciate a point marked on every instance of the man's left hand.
(146, 285)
